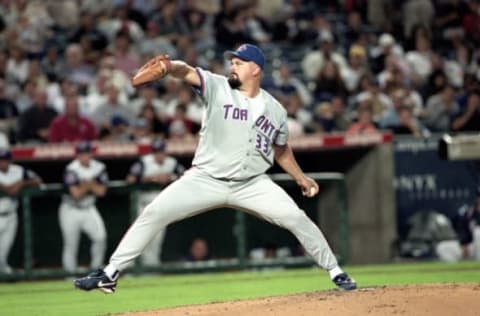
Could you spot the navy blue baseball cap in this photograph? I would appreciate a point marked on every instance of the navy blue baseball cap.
(5, 154)
(247, 52)
(84, 147)
(158, 145)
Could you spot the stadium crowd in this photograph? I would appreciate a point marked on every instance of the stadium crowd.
(352, 66)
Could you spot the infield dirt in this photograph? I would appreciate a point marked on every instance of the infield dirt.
(412, 300)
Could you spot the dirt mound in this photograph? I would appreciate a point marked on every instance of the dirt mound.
(438, 300)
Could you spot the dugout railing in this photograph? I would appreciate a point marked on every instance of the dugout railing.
(240, 231)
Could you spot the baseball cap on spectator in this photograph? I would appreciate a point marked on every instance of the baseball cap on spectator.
(386, 40)
(5, 154)
(247, 52)
(158, 145)
(118, 120)
(326, 36)
(140, 123)
(357, 50)
(83, 147)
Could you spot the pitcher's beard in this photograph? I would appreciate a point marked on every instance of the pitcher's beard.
(234, 82)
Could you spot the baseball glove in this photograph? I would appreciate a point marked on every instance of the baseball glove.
(154, 69)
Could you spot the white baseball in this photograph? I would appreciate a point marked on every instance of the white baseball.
(312, 191)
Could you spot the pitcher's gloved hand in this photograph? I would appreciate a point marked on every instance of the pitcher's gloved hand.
(154, 69)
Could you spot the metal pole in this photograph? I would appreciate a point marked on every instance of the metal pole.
(240, 234)
(27, 234)
(344, 221)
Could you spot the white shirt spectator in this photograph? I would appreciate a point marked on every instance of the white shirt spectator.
(4, 143)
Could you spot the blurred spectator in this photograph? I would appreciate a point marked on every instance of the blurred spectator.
(314, 61)
(286, 83)
(356, 67)
(420, 59)
(88, 29)
(36, 74)
(329, 82)
(120, 23)
(156, 124)
(114, 76)
(167, 20)
(8, 111)
(355, 28)
(65, 13)
(154, 42)
(13, 178)
(52, 65)
(324, 119)
(231, 28)
(255, 25)
(379, 13)
(148, 96)
(468, 118)
(126, 59)
(471, 21)
(379, 101)
(76, 69)
(17, 65)
(197, 25)
(26, 97)
(407, 123)
(448, 16)
(386, 45)
(293, 105)
(415, 13)
(440, 110)
(4, 142)
(179, 126)
(104, 113)
(364, 123)
(185, 96)
(119, 130)
(332, 116)
(141, 132)
(33, 123)
(71, 126)
(199, 251)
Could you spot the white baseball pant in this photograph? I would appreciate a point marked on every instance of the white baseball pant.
(8, 229)
(74, 221)
(196, 192)
(152, 252)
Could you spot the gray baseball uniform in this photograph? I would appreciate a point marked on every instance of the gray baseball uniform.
(234, 151)
(147, 166)
(81, 215)
(8, 211)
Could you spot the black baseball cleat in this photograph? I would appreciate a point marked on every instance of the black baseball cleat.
(344, 282)
(96, 280)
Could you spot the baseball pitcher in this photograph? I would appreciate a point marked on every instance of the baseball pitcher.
(160, 169)
(244, 129)
(85, 179)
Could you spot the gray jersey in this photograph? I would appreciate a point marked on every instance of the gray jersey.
(147, 166)
(14, 174)
(233, 143)
(76, 173)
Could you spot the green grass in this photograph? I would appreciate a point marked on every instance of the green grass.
(153, 292)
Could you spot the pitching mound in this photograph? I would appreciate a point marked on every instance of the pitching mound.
(421, 300)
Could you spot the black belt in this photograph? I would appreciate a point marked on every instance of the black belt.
(5, 214)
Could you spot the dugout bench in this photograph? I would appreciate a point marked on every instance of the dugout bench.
(240, 229)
